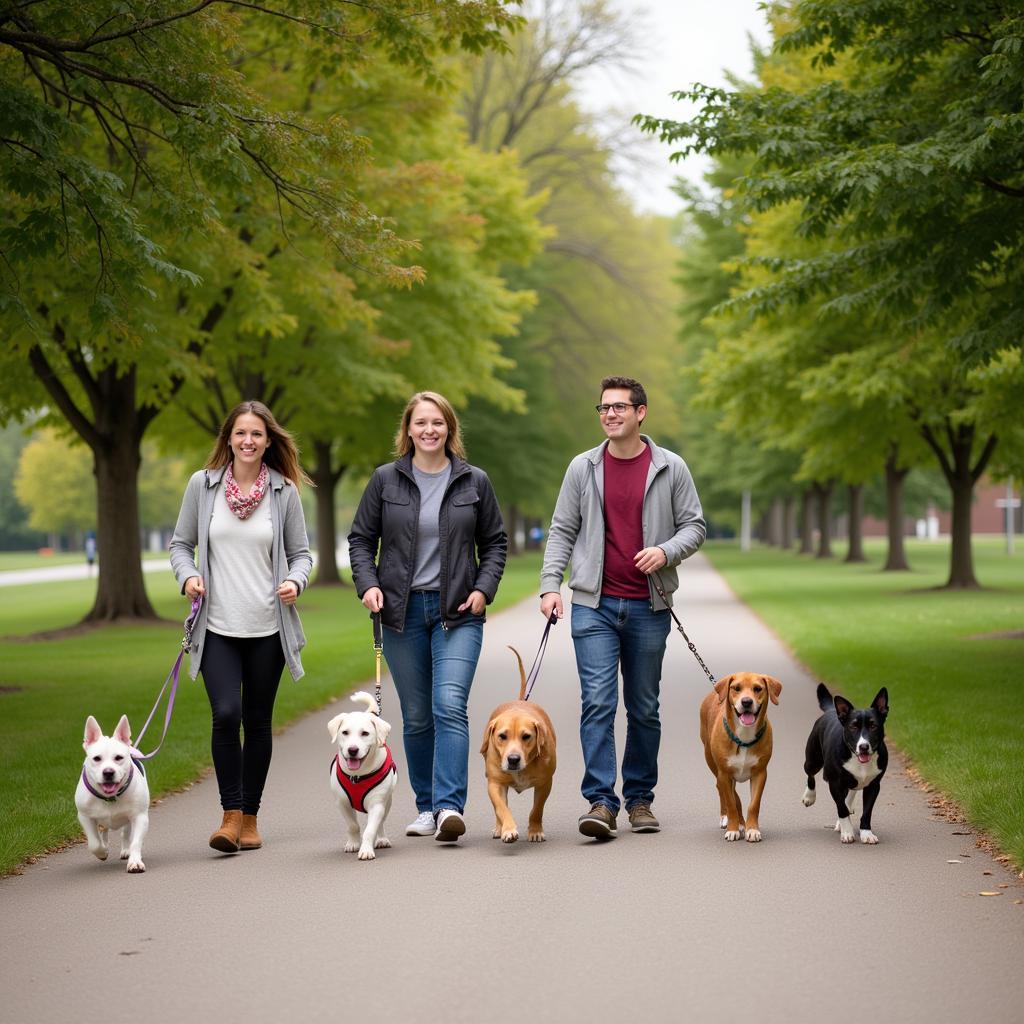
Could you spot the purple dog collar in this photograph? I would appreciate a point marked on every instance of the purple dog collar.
(127, 783)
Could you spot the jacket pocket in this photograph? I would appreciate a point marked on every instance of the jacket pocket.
(394, 495)
(470, 497)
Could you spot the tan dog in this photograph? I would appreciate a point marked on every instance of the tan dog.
(737, 738)
(519, 751)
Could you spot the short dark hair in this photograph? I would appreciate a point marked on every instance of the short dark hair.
(637, 395)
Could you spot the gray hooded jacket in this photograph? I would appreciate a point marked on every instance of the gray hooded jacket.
(672, 520)
(290, 558)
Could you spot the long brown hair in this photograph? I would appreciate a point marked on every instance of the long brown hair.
(453, 443)
(281, 454)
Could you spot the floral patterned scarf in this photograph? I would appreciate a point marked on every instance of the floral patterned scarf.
(243, 506)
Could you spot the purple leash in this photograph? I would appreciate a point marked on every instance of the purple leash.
(172, 678)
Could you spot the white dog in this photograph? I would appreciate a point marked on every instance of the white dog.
(113, 792)
(363, 774)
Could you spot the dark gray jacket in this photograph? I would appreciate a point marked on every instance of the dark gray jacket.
(388, 518)
(290, 557)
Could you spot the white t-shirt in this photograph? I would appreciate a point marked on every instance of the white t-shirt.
(241, 592)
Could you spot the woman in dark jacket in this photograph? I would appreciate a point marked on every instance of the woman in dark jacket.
(442, 547)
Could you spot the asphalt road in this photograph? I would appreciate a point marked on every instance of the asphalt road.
(672, 926)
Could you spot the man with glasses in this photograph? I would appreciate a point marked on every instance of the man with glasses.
(627, 509)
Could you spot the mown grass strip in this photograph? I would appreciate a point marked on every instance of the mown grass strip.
(954, 683)
(48, 687)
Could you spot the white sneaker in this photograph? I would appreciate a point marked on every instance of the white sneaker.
(424, 825)
(449, 826)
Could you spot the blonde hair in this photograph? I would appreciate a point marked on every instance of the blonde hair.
(281, 454)
(453, 443)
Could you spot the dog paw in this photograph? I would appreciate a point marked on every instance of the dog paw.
(753, 835)
(810, 795)
(867, 836)
(496, 834)
(382, 843)
(136, 867)
(510, 835)
(351, 847)
(731, 836)
(845, 829)
(99, 852)
(537, 837)
(124, 855)
(366, 853)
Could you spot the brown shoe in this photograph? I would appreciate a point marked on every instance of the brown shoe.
(598, 822)
(227, 836)
(250, 838)
(642, 820)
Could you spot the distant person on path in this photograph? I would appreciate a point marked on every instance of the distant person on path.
(90, 551)
(243, 511)
(442, 546)
(627, 508)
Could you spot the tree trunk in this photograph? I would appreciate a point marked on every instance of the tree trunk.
(807, 522)
(788, 522)
(512, 528)
(326, 479)
(116, 449)
(823, 494)
(856, 500)
(774, 522)
(896, 559)
(961, 477)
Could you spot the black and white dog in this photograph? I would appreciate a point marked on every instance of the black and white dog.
(849, 743)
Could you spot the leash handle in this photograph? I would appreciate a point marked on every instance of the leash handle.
(656, 580)
(172, 678)
(539, 657)
(378, 648)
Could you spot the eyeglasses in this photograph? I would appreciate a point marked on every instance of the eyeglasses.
(617, 407)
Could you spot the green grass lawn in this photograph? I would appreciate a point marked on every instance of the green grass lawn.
(47, 688)
(955, 691)
(11, 560)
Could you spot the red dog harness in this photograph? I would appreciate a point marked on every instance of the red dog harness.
(356, 787)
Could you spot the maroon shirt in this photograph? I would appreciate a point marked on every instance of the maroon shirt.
(624, 483)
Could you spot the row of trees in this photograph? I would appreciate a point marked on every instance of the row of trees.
(326, 208)
(854, 286)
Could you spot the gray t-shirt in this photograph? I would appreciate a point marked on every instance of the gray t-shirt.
(240, 589)
(428, 540)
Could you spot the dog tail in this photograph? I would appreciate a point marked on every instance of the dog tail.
(522, 673)
(824, 698)
(362, 697)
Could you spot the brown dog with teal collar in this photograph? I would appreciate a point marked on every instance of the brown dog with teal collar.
(737, 738)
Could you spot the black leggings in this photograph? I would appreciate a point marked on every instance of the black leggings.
(241, 674)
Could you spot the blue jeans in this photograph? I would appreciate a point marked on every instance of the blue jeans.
(433, 670)
(620, 630)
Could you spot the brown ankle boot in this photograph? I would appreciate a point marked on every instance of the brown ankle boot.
(250, 838)
(227, 836)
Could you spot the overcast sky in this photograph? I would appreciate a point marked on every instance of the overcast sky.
(687, 41)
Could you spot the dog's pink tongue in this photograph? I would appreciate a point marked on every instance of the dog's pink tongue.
(352, 763)
(747, 718)
(863, 758)
(108, 787)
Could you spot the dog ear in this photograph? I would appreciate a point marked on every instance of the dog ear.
(488, 733)
(123, 732)
(382, 728)
(540, 730)
(774, 688)
(881, 702)
(334, 726)
(92, 732)
(843, 707)
(722, 688)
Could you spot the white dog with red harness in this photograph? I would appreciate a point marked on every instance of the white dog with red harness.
(363, 774)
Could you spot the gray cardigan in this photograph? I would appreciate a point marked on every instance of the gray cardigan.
(672, 520)
(290, 558)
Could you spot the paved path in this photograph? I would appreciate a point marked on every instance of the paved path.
(667, 927)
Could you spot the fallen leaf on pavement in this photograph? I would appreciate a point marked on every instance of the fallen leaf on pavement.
(986, 893)
(954, 862)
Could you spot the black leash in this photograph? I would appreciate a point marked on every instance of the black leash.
(656, 580)
(378, 648)
(539, 657)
